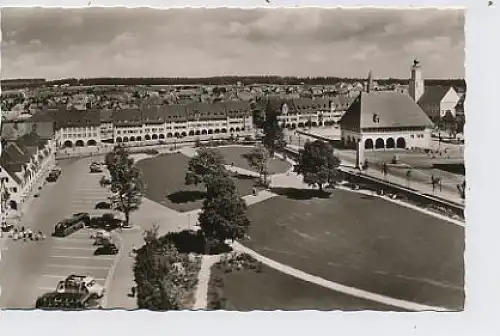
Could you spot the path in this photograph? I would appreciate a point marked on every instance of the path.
(203, 280)
(359, 293)
(170, 220)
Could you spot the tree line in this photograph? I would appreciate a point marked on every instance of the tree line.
(219, 80)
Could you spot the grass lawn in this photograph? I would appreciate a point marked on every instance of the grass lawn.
(236, 154)
(364, 242)
(164, 178)
(248, 290)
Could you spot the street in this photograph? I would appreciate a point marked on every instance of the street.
(29, 269)
(420, 179)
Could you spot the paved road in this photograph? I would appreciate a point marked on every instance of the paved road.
(419, 180)
(28, 269)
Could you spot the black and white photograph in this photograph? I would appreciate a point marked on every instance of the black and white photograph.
(233, 159)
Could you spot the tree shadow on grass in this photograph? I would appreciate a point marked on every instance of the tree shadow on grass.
(190, 241)
(301, 194)
(185, 196)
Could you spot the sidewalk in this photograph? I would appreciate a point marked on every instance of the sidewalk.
(446, 193)
(122, 279)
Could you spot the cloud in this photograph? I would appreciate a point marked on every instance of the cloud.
(204, 42)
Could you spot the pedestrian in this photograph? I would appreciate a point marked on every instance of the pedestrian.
(133, 290)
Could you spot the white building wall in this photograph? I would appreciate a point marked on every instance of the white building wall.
(420, 139)
(449, 102)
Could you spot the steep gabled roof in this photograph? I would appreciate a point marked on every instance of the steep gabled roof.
(384, 109)
(433, 94)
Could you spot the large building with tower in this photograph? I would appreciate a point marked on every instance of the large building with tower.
(381, 120)
(437, 101)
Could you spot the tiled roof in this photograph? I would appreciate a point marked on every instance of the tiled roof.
(11, 168)
(31, 140)
(127, 117)
(384, 109)
(76, 118)
(106, 115)
(308, 104)
(433, 95)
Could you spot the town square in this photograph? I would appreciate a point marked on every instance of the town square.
(234, 192)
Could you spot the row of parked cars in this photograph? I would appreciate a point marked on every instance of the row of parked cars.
(77, 221)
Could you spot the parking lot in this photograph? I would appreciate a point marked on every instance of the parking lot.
(73, 255)
(29, 269)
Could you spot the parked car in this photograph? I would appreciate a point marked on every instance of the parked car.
(107, 221)
(69, 225)
(95, 168)
(107, 249)
(61, 301)
(54, 174)
(103, 205)
(81, 284)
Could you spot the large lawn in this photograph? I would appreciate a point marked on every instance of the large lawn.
(271, 290)
(236, 155)
(364, 242)
(164, 177)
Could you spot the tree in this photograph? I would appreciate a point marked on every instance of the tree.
(274, 138)
(318, 164)
(258, 158)
(156, 274)
(125, 182)
(223, 214)
(205, 165)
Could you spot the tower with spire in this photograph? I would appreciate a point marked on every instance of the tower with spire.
(369, 84)
(416, 87)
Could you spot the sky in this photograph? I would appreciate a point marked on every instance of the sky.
(57, 43)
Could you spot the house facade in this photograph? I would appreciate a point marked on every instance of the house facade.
(385, 120)
(439, 101)
(82, 128)
(308, 112)
(23, 165)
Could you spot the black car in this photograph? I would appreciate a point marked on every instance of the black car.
(82, 216)
(68, 226)
(108, 249)
(54, 175)
(107, 222)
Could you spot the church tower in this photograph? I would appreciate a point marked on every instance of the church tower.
(369, 84)
(416, 87)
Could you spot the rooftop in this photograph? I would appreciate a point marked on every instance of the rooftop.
(384, 109)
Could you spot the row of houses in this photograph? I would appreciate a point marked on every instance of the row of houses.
(92, 127)
(305, 112)
(23, 165)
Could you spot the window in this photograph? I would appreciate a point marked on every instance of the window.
(14, 189)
